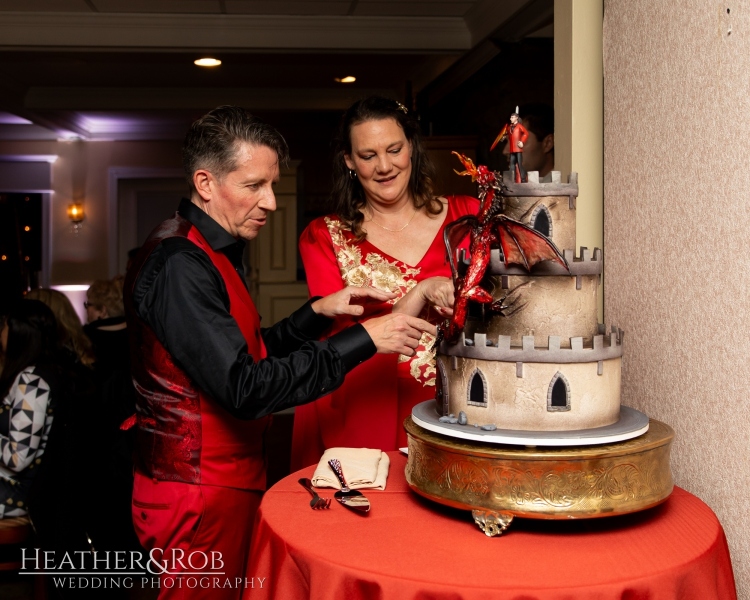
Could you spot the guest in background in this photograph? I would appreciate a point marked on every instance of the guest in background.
(109, 334)
(132, 253)
(106, 325)
(72, 338)
(94, 451)
(104, 302)
(30, 388)
(386, 233)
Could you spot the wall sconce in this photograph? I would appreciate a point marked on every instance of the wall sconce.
(76, 215)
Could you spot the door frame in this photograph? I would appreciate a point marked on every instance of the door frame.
(114, 174)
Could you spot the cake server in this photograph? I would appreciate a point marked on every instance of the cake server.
(350, 498)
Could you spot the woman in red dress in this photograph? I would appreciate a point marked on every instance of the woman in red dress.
(387, 233)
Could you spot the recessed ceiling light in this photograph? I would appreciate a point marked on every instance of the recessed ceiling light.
(208, 62)
(347, 79)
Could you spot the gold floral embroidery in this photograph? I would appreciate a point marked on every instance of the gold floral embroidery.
(423, 358)
(376, 271)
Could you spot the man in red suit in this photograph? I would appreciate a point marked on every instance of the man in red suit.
(207, 376)
(517, 136)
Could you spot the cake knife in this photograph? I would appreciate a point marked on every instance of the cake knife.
(353, 499)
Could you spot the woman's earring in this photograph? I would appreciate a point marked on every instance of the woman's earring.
(352, 174)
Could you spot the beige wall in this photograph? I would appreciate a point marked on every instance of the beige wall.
(81, 172)
(677, 237)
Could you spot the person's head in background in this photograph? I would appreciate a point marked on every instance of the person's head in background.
(8, 300)
(28, 338)
(69, 329)
(356, 177)
(104, 300)
(539, 149)
(132, 253)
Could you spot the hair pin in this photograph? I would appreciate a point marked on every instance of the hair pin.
(402, 108)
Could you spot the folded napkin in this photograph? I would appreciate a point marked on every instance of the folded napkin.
(363, 468)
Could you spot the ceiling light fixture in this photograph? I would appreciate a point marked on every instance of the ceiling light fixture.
(208, 62)
(347, 79)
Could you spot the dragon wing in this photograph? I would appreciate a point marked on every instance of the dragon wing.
(523, 245)
(453, 235)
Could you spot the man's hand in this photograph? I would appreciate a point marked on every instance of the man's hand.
(349, 301)
(398, 333)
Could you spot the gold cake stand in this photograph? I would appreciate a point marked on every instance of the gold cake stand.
(500, 482)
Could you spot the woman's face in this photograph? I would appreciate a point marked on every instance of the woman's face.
(381, 156)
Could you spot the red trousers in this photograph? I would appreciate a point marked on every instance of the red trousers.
(198, 537)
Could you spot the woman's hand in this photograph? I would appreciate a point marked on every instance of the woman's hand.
(436, 292)
(349, 301)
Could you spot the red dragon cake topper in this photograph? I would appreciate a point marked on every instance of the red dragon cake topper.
(519, 243)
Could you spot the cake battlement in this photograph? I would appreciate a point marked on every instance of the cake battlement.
(604, 346)
(549, 207)
(550, 185)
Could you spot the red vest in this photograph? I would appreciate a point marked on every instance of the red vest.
(184, 435)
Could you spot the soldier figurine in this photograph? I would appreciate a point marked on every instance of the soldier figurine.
(517, 135)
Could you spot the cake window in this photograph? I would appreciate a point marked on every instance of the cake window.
(541, 220)
(441, 389)
(477, 389)
(558, 395)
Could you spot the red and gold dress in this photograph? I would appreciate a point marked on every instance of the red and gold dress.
(369, 409)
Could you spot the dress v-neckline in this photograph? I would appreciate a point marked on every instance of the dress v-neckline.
(438, 238)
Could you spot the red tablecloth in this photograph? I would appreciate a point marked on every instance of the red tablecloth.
(411, 548)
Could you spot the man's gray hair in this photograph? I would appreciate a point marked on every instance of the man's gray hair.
(212, 141)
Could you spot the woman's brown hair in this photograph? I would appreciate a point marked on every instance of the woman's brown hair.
(69, 330)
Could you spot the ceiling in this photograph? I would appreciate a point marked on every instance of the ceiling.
(123, 69)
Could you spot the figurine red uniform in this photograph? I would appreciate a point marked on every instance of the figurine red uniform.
(517, 135)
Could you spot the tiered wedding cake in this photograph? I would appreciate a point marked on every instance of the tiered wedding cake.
(544, 363)
(527, 419)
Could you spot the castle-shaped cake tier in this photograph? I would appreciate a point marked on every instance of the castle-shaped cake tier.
(543, 363)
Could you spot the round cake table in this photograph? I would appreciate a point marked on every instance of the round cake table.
(410, 548)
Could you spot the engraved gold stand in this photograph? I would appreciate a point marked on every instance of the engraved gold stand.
(500, 482)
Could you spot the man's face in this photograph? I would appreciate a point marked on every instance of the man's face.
(241, 200)
(514, 119)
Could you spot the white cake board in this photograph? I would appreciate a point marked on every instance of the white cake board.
(631, 424)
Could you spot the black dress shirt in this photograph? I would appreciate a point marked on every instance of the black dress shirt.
(182, 296)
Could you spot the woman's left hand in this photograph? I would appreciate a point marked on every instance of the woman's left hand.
(349, 301)
(437, 292)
